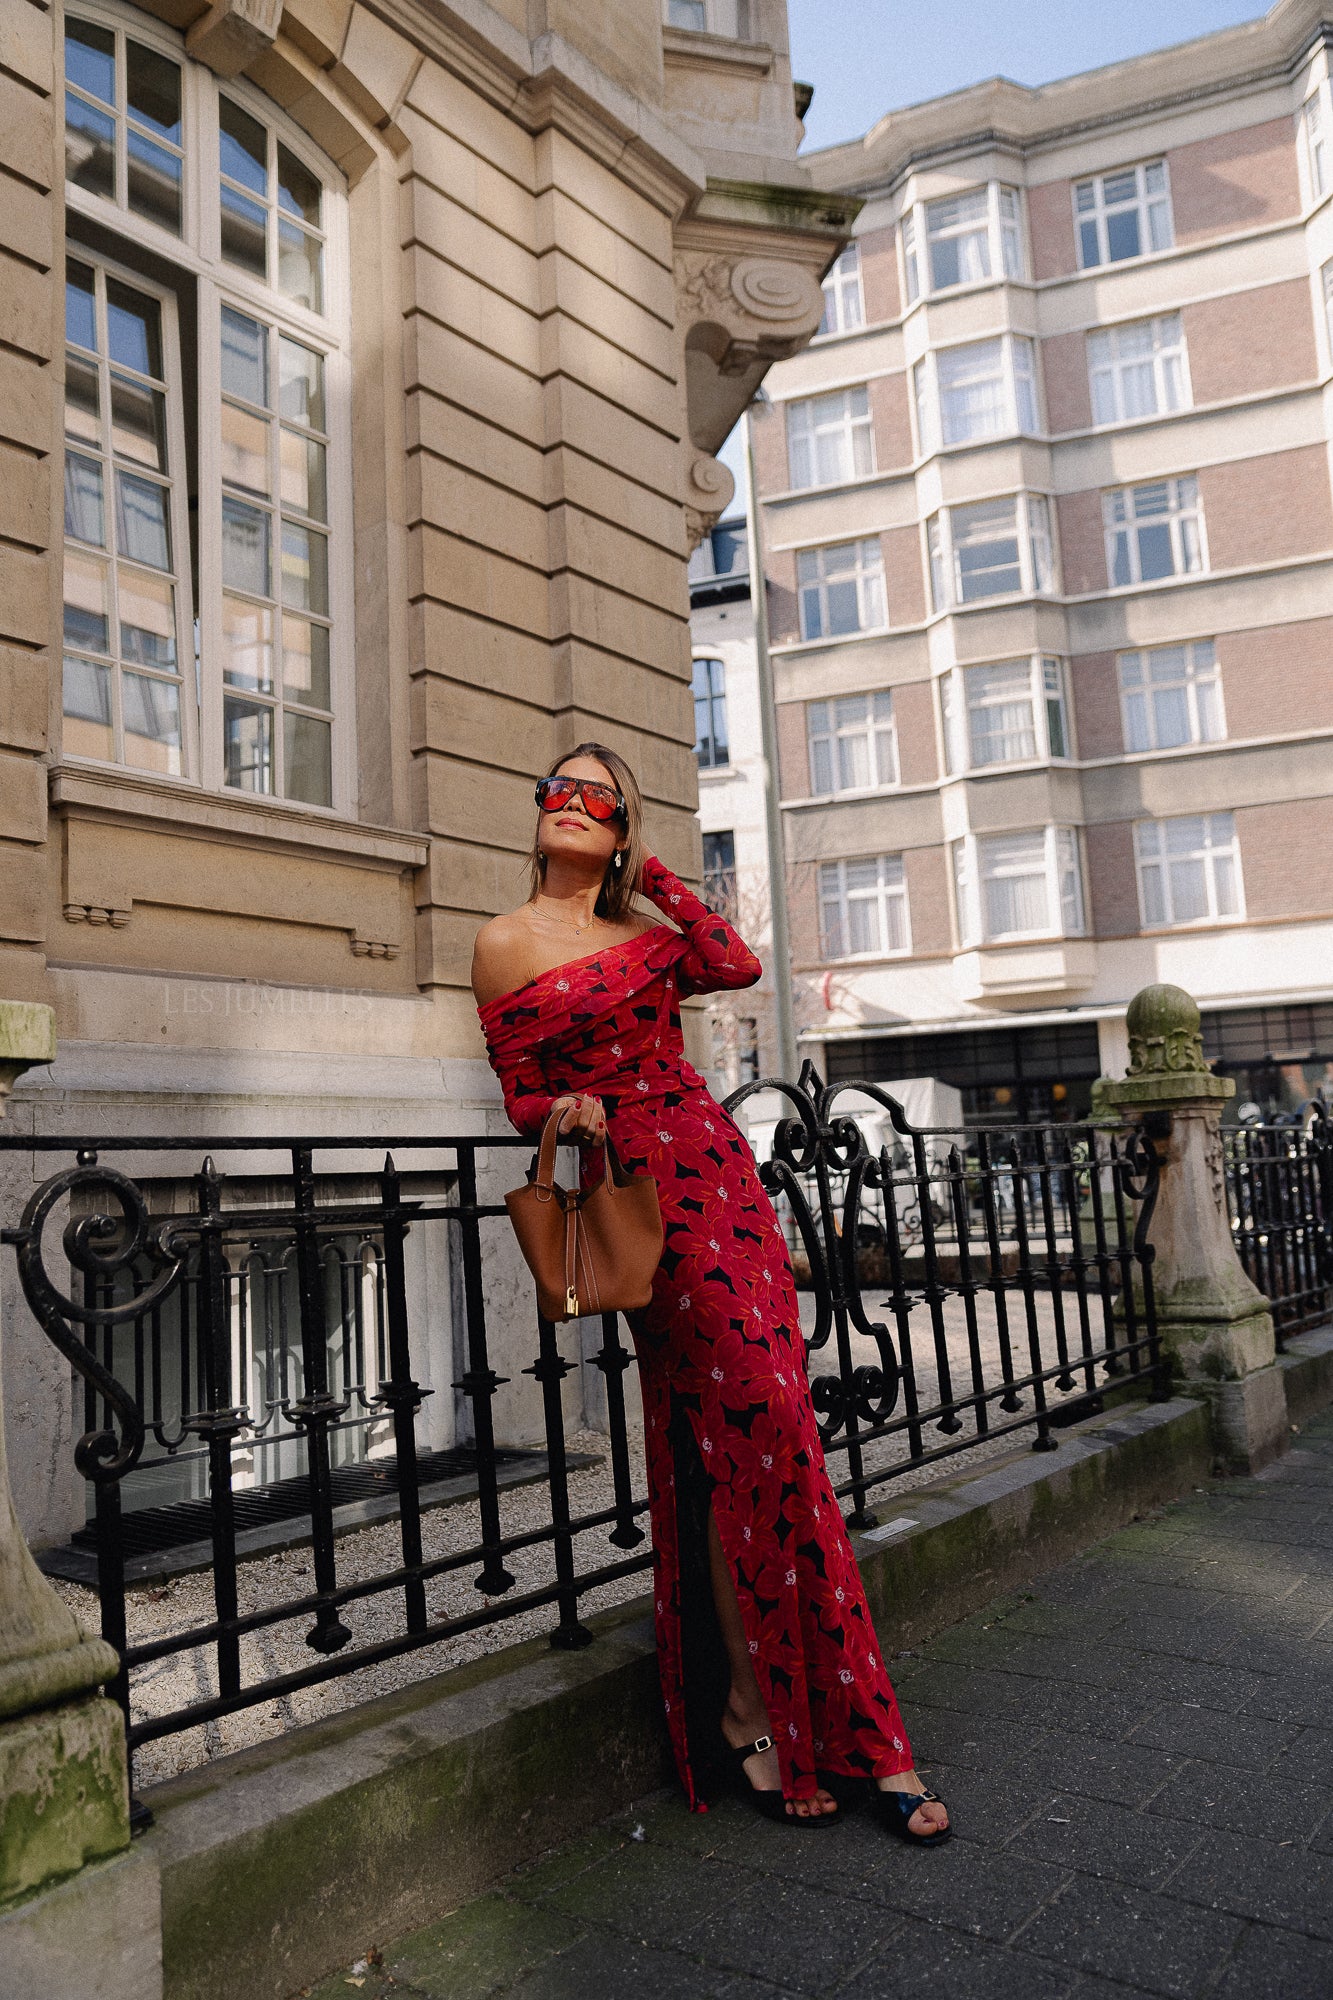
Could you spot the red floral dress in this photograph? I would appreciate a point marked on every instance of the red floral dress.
(727, 1410)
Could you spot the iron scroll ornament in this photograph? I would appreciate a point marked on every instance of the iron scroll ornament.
(816, 1142)
(101, 1245)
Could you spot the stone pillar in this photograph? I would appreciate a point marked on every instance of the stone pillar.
(1213, 1322)
(64, 1797)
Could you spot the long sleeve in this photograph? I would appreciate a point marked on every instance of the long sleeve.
(527, 1094)
(715, 957)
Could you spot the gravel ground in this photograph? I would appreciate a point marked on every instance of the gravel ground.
(186, 1602)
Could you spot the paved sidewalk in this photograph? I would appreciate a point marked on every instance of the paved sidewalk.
(1139, 1758)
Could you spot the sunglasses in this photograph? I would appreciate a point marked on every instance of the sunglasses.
(599, 801)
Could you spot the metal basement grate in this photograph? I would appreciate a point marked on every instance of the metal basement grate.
(152, 1529)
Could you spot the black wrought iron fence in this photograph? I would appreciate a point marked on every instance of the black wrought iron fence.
(960, 1291)
(1279, 1184)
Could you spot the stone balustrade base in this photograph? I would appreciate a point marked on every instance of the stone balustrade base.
(97, 1936)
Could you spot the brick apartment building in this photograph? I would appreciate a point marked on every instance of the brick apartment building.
(1047, 520)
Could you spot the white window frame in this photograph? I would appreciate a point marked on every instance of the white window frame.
(846, 727)
(841, 414)
(1036, 552)
(1039, 680)
(729, 18)
(116, 564)
(714, 699)
(944, 379)
(1127, 511)
(1118, 375)
(982, 859)
(1190, 671)
(844, 299)
(886, 896)
(835, 567)
(1316, 147)
(196, 254)
(1326, 275)
(1215, 851)
(1150, 202)
(994, 228)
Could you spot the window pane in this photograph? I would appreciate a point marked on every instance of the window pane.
(298, 189)
(308, 760)
(245, 547)
(1122, 234)
(299, 266)
(134, 329)
(84, 517)
(243, 224)
(153, 187)
(304, 482)
(247, 746)
(300, 385)
(138, 423)
(243, 147)
(305, 569)
(90, 147)
(247, 645)
(87, 703)
(1189, 890)
(152, 724)
(80, 308)
(1171, 718)
(244, 358)
(305, 664)
(90, 59)
(87, 613)
(1155, 554)
(245, 449)
(83, 406)
(153, 91)
(147, 618)
(142, 532)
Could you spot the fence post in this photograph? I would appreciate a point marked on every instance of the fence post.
(1214, 1324)
(64, 1793)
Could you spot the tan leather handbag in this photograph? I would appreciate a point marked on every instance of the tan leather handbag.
(593, 1249)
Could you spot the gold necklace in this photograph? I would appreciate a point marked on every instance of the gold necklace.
(569, 922)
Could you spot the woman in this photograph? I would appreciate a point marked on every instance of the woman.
(579, 998)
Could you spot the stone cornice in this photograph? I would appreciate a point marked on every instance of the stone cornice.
(1006, 115)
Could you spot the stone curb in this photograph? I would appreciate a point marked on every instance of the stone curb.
(288, 1859)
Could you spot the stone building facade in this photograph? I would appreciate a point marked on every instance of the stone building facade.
(361, 370)
(1046, 510)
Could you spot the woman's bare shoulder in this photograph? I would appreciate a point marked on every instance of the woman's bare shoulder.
(501, 956)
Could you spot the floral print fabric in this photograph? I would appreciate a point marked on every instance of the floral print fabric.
(720, 1345)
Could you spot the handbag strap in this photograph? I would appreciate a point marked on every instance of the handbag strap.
(613, 1174)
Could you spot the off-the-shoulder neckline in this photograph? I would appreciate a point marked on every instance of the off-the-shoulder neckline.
(572, 964)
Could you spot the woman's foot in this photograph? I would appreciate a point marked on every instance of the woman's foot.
(742, 1725)
(930, 1817)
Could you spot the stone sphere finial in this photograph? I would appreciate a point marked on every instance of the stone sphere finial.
(1164, 1032)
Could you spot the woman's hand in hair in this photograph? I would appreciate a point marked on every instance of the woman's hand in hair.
(584, 1120)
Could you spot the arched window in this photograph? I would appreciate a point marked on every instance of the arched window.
(207, 511)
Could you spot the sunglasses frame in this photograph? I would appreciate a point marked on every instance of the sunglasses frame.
(576, 786)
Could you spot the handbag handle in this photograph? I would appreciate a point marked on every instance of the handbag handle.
(613, 1174)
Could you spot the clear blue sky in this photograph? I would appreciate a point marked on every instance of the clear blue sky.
(866, 57)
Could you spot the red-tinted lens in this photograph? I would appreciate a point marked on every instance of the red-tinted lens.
(600, 800)
(552, 793)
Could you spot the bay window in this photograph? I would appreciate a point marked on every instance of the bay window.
(1189, 870)
(844, 307)
(986, 389)
(1170, 695)
(1013, 712)
(1153, 531)
(829, 438)
(1123, 214)
(863, 908)
(1315, 146)
(991, 548)
(1138, 370)
(1012, 886)
(206, 558)
(853, 743)
(968, 239)
(841, 589)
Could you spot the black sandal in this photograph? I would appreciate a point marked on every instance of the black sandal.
(894, 1812)
(773, 1805)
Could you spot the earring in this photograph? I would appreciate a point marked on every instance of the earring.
(618, 860)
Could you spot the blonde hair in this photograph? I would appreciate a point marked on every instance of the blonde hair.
(615, 899)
